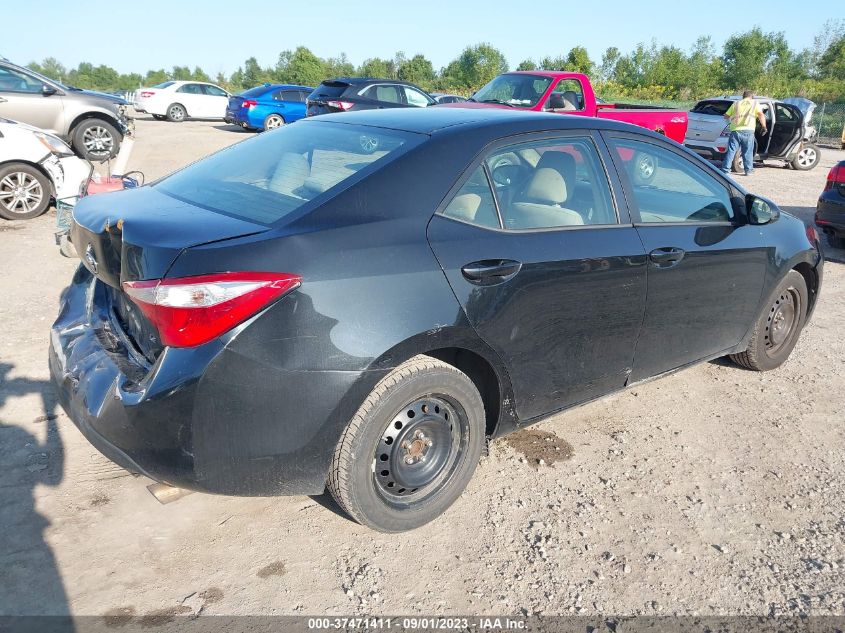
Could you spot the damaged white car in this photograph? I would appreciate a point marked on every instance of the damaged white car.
(36, 167)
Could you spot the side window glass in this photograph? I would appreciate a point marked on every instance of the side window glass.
(191, 89)
(474, 202)
(214, 91)
(568, 96)
(13, 81)
(668, 188)
(290, 95)
(415, 97)
(552, 183)
(784, 113)
(386, 93)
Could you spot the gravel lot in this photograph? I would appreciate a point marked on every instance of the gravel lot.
(713, 491)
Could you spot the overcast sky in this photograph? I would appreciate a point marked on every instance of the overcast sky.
(219, 36)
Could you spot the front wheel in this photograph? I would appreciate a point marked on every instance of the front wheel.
(411, 448)
(24, 192)
(778, 327)
(807, 157)
(96, 140)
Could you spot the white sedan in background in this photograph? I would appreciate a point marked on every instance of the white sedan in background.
(34, 167)
(178, 100)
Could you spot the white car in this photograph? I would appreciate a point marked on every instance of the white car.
(34, 167)
(178, 100)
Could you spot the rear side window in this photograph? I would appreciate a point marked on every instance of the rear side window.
(289, 95)
(254, 92)
(474, 202)
(386, 93)
(270, 176)
(716, 107)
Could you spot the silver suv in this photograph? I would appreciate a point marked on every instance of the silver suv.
(93, 123)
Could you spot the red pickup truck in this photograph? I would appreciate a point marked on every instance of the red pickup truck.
(571, 93)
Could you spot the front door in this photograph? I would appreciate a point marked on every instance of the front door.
(547, 271)
(706, 264)
(22, 99)
(215, 101)
(193, 98)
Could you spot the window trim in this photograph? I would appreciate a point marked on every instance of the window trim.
(684, 154)
(624, 219)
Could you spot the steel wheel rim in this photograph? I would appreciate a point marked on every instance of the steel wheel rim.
(646, 167)
(98, 140)
(806, 156)
(782, 321)
(420, 449)
(177, 113)
(274, 121)
(21, 193)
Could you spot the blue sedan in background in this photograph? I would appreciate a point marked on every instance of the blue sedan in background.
(267, 107)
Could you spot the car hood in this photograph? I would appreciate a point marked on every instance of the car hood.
(101, 95)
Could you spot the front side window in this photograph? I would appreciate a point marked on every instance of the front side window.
(416, 98)
(568, 96)
(522, 91)
(552, 183)
(474, 202)
(669, 188)
(214, 91)
(15, 81)
(270, 176)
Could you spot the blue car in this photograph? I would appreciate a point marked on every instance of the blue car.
(267, 107)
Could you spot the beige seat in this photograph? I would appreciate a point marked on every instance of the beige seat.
(464, 207)
(290, 175)
(570, 101)
(540, 205)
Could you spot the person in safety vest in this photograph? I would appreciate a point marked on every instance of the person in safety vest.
(743, 116)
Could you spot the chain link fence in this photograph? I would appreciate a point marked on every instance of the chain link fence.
(829, 119)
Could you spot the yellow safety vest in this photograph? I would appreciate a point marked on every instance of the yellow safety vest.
(743, 114)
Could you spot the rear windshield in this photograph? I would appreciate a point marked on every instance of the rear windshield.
(166, 84)
(329, 90)
(272, 175)
(717, 108)
(255, 92)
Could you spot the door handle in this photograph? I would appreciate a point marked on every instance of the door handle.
(491, 271)
(667, 256)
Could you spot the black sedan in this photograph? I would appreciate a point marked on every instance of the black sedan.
(352, 94)
(830, 210)
(359, 301)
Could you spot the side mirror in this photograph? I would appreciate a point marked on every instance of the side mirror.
(48, 90)
(760, 210)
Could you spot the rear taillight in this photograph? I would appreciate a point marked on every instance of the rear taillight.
(836, 176)
(190, 311)
(340, 105)
(147, 93)
(812, 234)
(249, 103)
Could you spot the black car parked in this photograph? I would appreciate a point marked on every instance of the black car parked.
(356, 93)
(300, 311)
(830, 210)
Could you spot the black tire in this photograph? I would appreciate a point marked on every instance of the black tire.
(422, 424)
(835, 241)
(176, 113)
(96, 140)
(778, 327)
(20, 178)
(807, 157)
(273, 121)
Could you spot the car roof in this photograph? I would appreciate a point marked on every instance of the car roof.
(354, 81)
(432, 119)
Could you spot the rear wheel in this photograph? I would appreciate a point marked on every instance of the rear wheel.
(778, 327)
(176, 112)
(24, 192)
(273, 121)
(806, 158)
(411, 448)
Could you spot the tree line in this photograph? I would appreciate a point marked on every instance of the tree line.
(754, 59)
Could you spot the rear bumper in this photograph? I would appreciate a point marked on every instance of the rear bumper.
(708, 150)
(830, 213)
(209, 418)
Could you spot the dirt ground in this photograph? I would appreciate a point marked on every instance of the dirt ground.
(713, 491)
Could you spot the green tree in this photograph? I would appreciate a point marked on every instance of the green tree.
(155, 77)
(181, 73)
(748, 56)
(252, 74)
(578, 60)
(417, 70)
(199, 75)
(477, 65)
(608, 63)
(831, 65)
(527, 64)
(304, 68)
(339, 67)
(49, 67)
(375, 67)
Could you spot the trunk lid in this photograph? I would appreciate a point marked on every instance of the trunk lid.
(137, 234)
(705, 127)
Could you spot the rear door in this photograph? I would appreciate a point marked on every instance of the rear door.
(706, 265)
(547, 266)
(787, 129)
